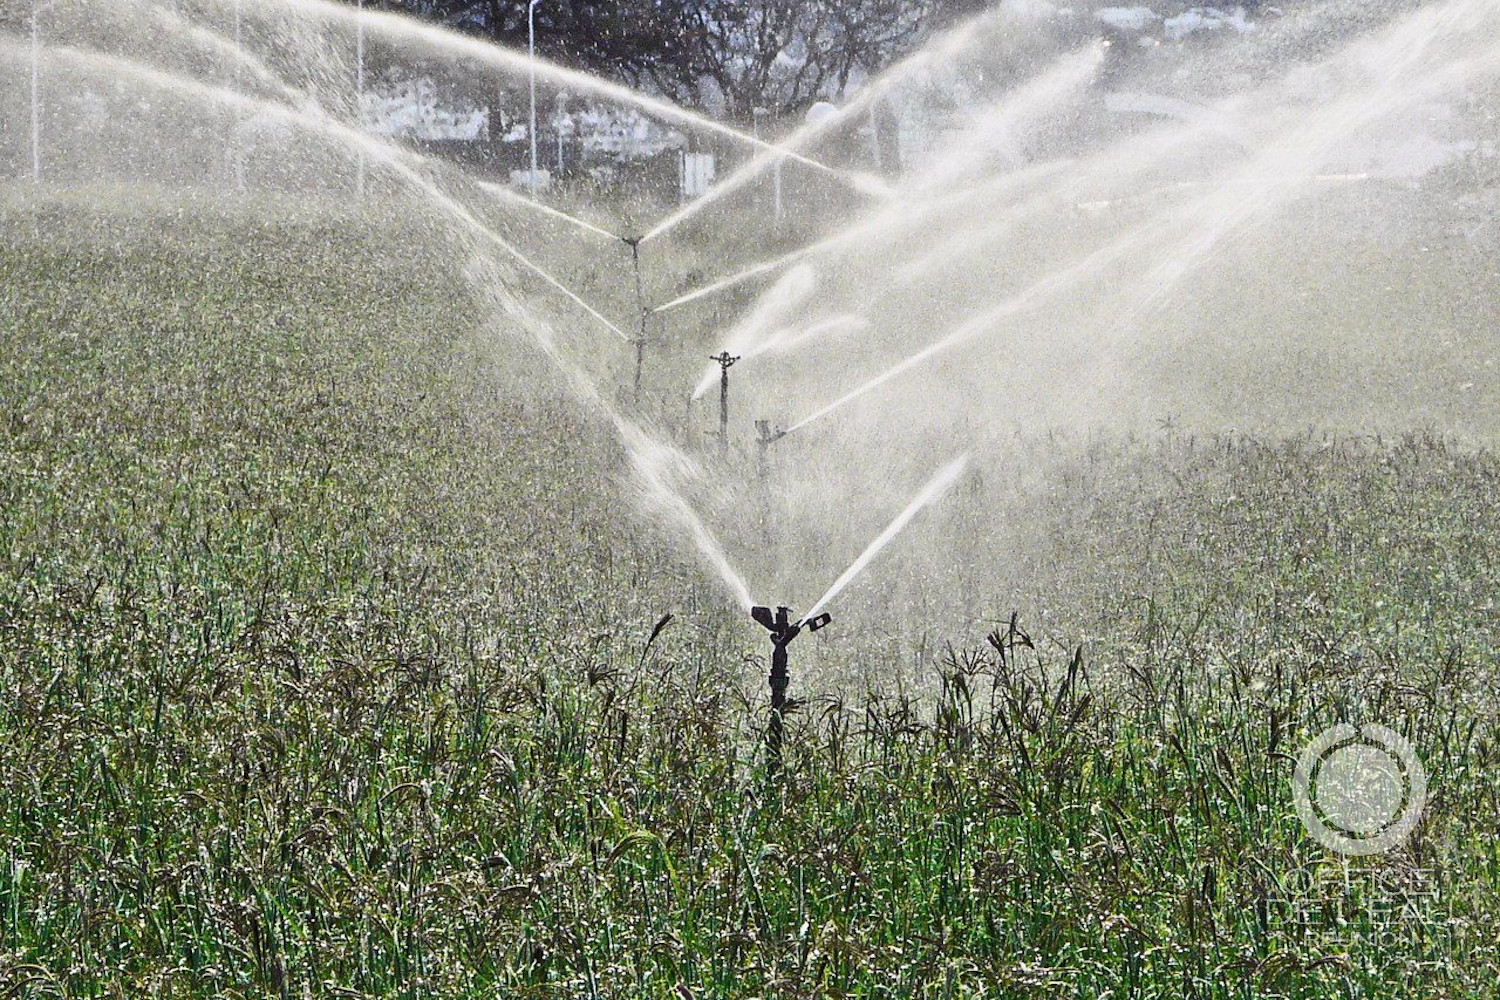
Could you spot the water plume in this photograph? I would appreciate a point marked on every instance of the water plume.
(997, 131)
(512, 197)
(789, 293)
(944, 46)
(936, 487)
(1082, 212)
(653, 464)
(406, 29)
(1183, 239)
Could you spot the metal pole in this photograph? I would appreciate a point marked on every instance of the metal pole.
(726, 361)
(36, 94)
(236, 155)
(780, 681)
(640, 356)
(531, 32)
(359, 77)
(640, 298)
(724, 407)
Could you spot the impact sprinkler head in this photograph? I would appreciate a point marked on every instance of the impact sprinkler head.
(633, 242)
(765, 436)
(783, 630)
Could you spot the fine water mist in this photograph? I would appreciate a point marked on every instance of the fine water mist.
(1087, 231)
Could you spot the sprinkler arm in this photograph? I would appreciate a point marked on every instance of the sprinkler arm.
(783, 630)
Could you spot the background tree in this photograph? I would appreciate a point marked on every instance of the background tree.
(731, 56)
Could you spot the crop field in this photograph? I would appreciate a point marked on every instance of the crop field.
(336, 662)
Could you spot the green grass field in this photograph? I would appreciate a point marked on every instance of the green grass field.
(325, 660)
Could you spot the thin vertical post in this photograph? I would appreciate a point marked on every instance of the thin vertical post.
(640, 298)
(640, 357)
(562, 99)
(236, 154)
(726, 361)
(359, 88)
(531, 35)
(36, 93)
(780, 678)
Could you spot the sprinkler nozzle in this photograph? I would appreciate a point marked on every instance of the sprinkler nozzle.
(633, 242)
(783, 630)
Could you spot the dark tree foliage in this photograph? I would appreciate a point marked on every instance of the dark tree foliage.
(738, 54)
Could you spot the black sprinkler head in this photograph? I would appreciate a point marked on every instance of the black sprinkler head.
(765, 435)
(783, 630)
(633, 242)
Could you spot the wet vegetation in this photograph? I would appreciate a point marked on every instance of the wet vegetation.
(334, 664)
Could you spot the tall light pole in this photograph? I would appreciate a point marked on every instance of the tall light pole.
(36, 90)
(36, 96)
(236, 154)
(359, 88)
(531, 32)
(37, 8)
(562, 99)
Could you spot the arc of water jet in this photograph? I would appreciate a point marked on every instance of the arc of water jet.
(789, 340)
(505, 58)
(506, 194)
(735, 280)
(906, 217)
(645, 456)
(649, 470)
(547, 276)
(784, 340)
(1214, 119)
(936, 487)
(770, 313)
(228, 49)
(391, 156)
(1307, 146)
(1018, 111)
(1200, 239)
(945, 45)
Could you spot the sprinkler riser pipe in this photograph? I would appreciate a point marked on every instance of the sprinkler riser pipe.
(780, 680)
(783, 631)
